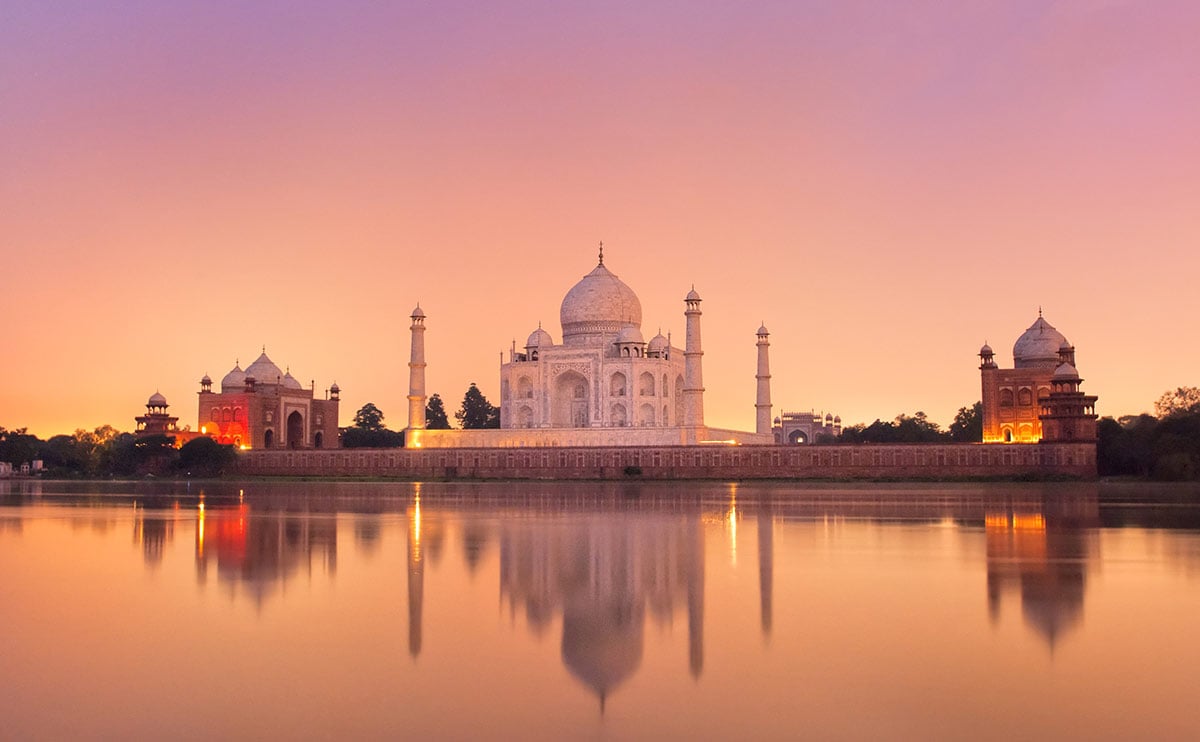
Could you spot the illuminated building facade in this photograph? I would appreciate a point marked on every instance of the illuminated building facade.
(265, 407)
(1039, 398)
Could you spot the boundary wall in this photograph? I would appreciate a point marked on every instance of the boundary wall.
(884, 461)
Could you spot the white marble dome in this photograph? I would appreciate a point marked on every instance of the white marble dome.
(539, 338)
(156, 400)
(234, 381)
(1038, 346)
(264, 370)
(600, 304)
(658, 343)
(630, 334)
(290, 381)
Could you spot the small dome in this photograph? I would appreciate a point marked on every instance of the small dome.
(837, 418)
(264, 370)
(692, 295)
(290, 381)
(630, 335)
(156, 400)
(234, 380)
(539, 338)
(205, 380)
(762, 330)
(986, 350)
(658, 343)
(1038, 346)
(829, 417)
(335, 388)
(418, 312)
(1066, 371)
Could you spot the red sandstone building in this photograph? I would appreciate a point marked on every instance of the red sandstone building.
(1040, 397)
(265, 407)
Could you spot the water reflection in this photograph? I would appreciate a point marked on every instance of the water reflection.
(606, 577)
(1040, 551)
(258, 554)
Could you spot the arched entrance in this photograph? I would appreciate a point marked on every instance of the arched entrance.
(569, 405)
(797, 438)
(268, 438)
(295, 430)
(319, 439)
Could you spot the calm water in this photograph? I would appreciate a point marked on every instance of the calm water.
(518, 611)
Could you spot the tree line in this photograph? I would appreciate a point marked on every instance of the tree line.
(370, 431)
(1165, 445)
(107, 452)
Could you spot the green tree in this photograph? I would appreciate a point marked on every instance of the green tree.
(1184, 399)
(369, 417)
(477, 411)
(968, 424)
(204, 457)
(435, 414)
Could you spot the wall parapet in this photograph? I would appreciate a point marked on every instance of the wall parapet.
(868, 461)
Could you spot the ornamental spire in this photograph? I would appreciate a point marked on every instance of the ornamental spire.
(601, 252)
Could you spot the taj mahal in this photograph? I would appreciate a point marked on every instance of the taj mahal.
(602, 385)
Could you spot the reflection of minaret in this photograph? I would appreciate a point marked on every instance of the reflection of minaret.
(695, 600)
(416, 576)
(766, 566)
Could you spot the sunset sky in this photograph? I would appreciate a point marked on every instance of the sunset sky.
(885, 185)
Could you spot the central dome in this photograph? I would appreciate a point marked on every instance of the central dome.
(597, 307)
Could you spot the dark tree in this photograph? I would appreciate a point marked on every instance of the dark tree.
(477, 411)
(369, 417)
(968, 424)
(18, 446)
(204, 457)
(1184, 399)
(435, 414)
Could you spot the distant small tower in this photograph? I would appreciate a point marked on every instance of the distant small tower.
(762, 404)
(156, 421)
(416, 372)
(206, 385)
(693, 382)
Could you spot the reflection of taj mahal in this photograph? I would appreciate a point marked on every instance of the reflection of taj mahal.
(602, 385)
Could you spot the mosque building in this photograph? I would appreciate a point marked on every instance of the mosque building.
(602, 385)
(1039, 399)
(266, 407)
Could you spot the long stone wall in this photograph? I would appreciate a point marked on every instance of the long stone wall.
(900, 461)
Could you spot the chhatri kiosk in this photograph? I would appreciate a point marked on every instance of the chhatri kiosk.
(603, 385)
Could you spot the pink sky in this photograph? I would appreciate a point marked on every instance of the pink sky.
(886, 185)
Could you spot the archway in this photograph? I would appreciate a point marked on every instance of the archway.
(618, 418)
(268, 438)
(525, 417)
(318, 439)
(646, 415)
(295, 430)
(797, 438)
(569, 405)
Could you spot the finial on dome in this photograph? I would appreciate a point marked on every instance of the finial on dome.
(601, 252)
(1039, 311)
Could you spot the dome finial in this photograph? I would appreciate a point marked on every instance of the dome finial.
(1039, 311)
(601, 252)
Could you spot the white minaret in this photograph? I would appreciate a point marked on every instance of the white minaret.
(762, 403)
(416, 372)
(693, 381)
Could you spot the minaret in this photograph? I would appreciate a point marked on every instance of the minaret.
(762, 403)
(693, 382)
(416, 372)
